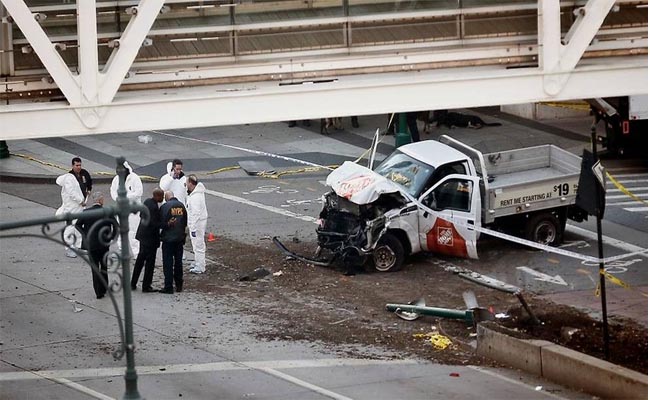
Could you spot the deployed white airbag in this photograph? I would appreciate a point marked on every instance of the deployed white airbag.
(359, 184)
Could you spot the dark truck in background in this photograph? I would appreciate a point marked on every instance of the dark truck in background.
(626, 123)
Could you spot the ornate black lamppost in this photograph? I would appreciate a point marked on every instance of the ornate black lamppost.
(114, 260)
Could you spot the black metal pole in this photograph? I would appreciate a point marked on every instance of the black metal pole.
(601, 268)
(4, 149)
(130, 376)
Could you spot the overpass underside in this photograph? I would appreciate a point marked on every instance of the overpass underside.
(116, 66)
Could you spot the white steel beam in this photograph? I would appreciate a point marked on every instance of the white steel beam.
(88, 58)
(582, 32)
(51, 59)
(349, 95)
(557, 59)
(122, 57)
(6, 45)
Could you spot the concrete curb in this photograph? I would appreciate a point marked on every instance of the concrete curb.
(562, 365)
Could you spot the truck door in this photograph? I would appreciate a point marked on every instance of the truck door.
(457, 202)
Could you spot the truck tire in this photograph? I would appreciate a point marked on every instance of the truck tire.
(545, 229)
(389, 254)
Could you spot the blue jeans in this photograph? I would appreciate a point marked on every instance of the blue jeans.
(172, 253)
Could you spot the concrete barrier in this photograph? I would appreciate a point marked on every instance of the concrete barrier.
(562, 365)
(592, 375)
(521, 354)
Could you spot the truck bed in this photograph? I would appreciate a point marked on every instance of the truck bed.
(523, 180)
(529, 179)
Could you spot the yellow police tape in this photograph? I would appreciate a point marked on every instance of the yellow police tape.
(573, 105)
(30, 158)
(224, 169)
(619, 282)
(623, 189)
(49, 164)
(276, 175)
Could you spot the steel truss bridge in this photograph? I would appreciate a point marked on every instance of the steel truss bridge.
(97, 66)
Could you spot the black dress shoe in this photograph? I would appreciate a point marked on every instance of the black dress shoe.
(100, 296)
(148, 290)
(179, 288)
(166, 291)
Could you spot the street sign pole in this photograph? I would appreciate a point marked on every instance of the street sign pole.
(601, 269)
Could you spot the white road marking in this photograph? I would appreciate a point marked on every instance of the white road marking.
(624, 196)
(276, 210)
(634, 189)
(629, 247)
(514, 382)
(188, 368)
(625, 203)
(636, 209)
(82, 389)
(630, 176)
(630, 181)
(539, 276)
(296, 381)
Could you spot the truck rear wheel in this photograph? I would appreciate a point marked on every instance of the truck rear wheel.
(389, 254)
(544, 229)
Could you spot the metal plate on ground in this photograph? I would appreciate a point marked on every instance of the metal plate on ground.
(256, 167)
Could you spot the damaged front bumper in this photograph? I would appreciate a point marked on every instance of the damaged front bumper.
(316, 261)
(350, 248)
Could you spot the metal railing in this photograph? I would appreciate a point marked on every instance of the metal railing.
(106, 217)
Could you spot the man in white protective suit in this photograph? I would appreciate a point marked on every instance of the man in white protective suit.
(175, 180)
(197, 220)
(72, 200)
(133, 193)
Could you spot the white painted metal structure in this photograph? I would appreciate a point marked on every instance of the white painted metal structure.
(263, 88)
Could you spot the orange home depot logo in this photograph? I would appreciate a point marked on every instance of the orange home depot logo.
(352, 186)
(443, 238)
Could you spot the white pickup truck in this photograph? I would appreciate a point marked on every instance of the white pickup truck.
(430, 196)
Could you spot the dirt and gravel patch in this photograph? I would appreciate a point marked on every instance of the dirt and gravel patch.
(347, 313)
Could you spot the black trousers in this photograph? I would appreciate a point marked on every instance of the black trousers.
(147, 259)
(412, 123)
(172, 253)
(97, 258)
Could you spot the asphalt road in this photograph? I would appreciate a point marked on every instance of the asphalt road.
(57, 340)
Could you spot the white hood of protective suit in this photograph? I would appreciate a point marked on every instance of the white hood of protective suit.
(196, 207)
(71, 195)
(133, 185)
(359, 184)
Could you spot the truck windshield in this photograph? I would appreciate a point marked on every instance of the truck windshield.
(406, 171)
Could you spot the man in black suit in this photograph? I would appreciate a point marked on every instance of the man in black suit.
(98, 243)
(149, 237)
(173, 216)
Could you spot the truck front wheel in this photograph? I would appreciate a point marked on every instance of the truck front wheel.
(544, 229)
(389, 254)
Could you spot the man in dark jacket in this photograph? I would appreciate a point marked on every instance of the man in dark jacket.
(149, 238)
(97, 248)
(83, 177)
(173, 225)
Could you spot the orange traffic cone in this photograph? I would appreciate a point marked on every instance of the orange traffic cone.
(211, 237)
